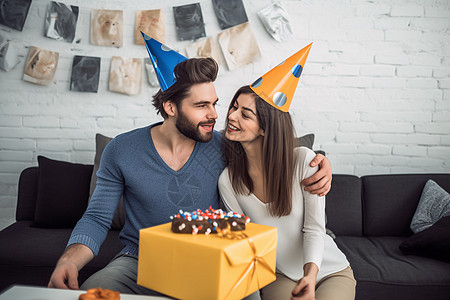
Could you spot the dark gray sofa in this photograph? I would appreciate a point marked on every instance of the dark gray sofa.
(370, 216)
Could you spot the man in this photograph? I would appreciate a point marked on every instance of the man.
(159, 169)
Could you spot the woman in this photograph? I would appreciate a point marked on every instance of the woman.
(262, 180)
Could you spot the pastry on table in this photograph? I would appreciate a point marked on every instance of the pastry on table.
(99, 293)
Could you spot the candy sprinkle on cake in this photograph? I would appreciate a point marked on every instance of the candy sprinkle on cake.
(207, 221)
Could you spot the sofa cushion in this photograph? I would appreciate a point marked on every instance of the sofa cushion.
(343, 206)
(379, 265)
(433, 205)
(306, 140)
(100, 143)
(63, 191)
(27, 194)
(390, 201)
(432, 242)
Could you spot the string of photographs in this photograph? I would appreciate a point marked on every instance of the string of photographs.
(237, 40)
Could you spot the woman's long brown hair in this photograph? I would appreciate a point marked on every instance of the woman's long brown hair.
(277, 156)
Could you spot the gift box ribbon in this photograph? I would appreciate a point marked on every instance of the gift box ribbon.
(256, 258)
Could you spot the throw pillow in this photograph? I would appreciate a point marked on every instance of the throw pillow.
(100, 143)
(433, 205)
(63, 192)
(305, 141)
(433, 242)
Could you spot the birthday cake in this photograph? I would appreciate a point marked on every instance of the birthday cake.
(208, 221)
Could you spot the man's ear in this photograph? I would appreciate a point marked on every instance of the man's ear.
(170, 108)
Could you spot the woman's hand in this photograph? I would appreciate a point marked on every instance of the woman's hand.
(305, 289)
(306, 286)
(320, 182)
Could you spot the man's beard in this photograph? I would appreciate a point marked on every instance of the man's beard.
(192, 131)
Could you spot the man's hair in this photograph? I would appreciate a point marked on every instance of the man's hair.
(277, 156)
(187, 73)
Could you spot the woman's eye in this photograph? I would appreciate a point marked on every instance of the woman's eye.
(244, 116)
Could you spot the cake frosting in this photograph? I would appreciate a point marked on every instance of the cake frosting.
(207, 221)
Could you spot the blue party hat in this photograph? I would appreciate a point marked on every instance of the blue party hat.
(164, 61)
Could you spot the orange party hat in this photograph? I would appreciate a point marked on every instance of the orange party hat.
(277, 87)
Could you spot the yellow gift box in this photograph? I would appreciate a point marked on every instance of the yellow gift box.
(209, 267)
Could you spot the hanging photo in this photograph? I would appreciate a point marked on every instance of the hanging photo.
(107, 28)
(204, 48)
(151, 74)
(276, 21)
(150, 22)
(41, 66)
(13, 13)
(239, 46)
(229, 13)
(126, 75)
(61, 21)
(9, 56)
(189, 22)
(85, 74)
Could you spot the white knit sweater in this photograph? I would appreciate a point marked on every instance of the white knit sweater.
(301, 234)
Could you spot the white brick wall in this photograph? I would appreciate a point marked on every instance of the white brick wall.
(375, 89)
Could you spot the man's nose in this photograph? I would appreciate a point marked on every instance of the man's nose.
(212, 113)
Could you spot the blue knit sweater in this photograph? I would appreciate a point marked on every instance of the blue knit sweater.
(152, 191)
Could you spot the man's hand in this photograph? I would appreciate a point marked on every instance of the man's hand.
(320, 182)
(65, 276)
